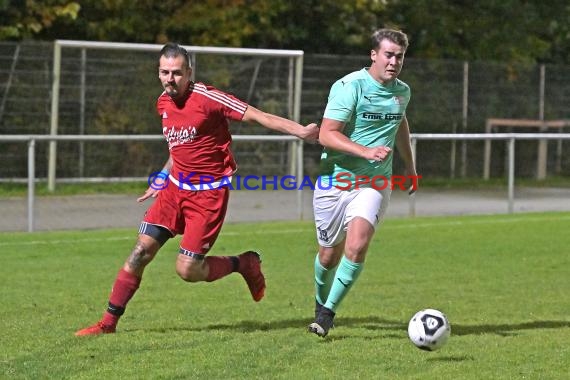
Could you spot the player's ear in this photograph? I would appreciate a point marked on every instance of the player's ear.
(373, 55)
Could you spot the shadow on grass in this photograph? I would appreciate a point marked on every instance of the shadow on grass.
(448, 359)
(374, 324)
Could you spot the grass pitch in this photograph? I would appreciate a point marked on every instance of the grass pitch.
(503, 282)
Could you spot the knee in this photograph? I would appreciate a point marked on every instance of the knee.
(141, 255)
(329, 257)
(356, 250)
(188, 273)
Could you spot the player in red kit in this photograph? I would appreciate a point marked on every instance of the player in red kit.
(195, 124)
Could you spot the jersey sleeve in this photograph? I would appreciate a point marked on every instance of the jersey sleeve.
(227, 105)
(342, 101)
(160, 105)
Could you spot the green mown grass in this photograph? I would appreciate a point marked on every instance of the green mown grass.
(503, 282)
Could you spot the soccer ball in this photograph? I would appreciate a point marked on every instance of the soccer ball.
(429, 329)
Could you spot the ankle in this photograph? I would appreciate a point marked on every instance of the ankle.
(109, 320)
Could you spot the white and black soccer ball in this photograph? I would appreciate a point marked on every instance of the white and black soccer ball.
(429, 329)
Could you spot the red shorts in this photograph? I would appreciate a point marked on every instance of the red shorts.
(199, 215)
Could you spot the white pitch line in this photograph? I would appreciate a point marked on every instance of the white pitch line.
(66, 241)
(305, 230)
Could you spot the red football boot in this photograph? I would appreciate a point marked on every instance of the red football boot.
(97, 329)
(250, 269)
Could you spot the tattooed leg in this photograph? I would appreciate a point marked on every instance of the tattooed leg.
(143, 253)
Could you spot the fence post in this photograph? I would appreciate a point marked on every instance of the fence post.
(542, 144)
(464, 115)
(299, 148)
(296, 108)
(31, 181)
(82, 90)
(487, 153)
(54, 117)
(511, 178)
(412, 197)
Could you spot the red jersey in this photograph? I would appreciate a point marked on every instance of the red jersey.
(198, 133)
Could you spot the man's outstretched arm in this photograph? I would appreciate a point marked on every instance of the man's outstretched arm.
(309, 133)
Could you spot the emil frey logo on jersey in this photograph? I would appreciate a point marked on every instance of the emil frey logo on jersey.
(164, 115)
(382, 116)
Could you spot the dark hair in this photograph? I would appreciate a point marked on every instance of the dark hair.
(173, 50)
(395, 36)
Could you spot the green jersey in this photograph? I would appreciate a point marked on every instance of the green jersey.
(372, 114)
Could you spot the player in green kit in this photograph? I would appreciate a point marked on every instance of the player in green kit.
(364, 118)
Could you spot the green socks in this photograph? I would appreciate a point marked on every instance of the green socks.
(323, 280)
(345, 276)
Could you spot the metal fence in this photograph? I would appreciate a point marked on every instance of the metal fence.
(110, 95)
(509, 138)
(120, 88)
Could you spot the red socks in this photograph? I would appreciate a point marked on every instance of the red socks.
(126, 284)
(220, 266)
